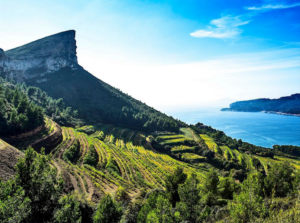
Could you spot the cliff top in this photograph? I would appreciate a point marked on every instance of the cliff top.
(60, 44)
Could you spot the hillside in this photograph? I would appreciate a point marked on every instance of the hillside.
(283, 105)
(96, 161)
(51, 64)
(75, 149)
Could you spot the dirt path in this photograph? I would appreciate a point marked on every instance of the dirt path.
(58, 167)
(82, 185)
(122, 133)
(74, 182)
(91, 188)
(131, 136)
(195, 137)
(111, 131)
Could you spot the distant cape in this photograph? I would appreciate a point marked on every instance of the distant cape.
(289, 105)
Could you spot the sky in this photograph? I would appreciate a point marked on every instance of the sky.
(173, 55)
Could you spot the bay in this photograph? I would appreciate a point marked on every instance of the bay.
(258, 128)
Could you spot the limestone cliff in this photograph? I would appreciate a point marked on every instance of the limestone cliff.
(51, 64)
(37, 59)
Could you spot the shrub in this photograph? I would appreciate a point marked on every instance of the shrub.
(108, 211)
(91, 157)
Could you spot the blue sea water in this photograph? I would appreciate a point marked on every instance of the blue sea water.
(258, 128)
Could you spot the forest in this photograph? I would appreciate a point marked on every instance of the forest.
(22, 108)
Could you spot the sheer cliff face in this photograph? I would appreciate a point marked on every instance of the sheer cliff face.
(36, 60)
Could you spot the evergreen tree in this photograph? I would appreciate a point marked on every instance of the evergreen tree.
(172, 182)
(69, 211)
(280, 179)
(108, 211)
(41, 185)
(248, 204)
(189, 206)
(14, 205)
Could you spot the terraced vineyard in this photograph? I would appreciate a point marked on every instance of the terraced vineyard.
(96, 167)
(294, 162)
(183, 149)
(239, 156)
(227, 153)
(98, 160)
(193, 157)
(173, 141)
(248, 161)
(49, 130)
(168, 137)
(210, 143)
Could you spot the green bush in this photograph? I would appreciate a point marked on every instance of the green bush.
(91, 157)
(108, 211)
(72, 152)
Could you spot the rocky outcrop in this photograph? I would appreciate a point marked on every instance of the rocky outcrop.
(285, 105)
(37, 59)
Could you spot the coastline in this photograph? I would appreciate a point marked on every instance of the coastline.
(281, 113)
(270, 112)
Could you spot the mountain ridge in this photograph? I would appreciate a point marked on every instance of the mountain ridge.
(54, 68)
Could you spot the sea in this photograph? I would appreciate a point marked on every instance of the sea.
(261, 129)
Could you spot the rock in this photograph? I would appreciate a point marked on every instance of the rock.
(39, 58)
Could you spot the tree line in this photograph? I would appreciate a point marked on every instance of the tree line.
(23, 108)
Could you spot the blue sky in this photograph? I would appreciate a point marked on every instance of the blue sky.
(172, 54)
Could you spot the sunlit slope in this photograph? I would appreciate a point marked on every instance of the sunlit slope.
(123, 158)
(211, 143)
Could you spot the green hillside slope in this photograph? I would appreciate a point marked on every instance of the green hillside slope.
(95, 100)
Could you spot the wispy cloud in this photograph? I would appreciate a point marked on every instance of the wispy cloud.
(225, 27)
(270, 7)
(228, 26)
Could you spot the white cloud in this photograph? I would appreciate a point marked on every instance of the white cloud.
(228, 26)
(270, 7)
(225, 27)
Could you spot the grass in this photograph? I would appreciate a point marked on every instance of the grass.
(190, 134)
